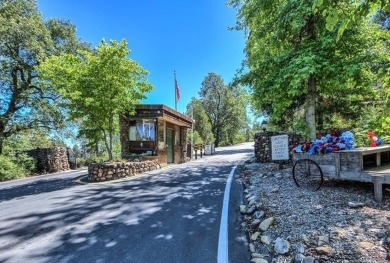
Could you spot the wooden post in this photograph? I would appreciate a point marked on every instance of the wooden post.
(378, 159)
(378, 181)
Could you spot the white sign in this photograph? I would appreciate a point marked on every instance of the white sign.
(279, 147)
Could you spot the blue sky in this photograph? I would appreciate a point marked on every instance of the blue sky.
(191, 37)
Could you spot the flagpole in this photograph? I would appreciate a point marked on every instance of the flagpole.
(174, 75)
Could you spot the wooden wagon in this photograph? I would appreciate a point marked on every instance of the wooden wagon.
(366, 164)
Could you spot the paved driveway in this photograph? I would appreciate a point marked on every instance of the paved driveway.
(169, 215)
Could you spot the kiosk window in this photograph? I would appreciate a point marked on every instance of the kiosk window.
(142, 131)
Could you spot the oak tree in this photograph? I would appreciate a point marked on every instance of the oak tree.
(25, 41)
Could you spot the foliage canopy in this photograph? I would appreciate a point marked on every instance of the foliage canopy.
(98, 86)
(299, 69)
(25, 41)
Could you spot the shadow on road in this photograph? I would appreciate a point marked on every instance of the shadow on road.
(37, 187)
(107, 222)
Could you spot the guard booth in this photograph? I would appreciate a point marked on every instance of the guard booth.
(155, 132)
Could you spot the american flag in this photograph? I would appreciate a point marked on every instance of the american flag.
(177, 89)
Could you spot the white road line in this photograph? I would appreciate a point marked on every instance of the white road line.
(223, 256)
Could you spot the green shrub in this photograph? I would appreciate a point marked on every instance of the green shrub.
(12, 167)
(80, 162)
(95, 159)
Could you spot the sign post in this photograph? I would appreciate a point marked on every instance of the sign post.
(279, 148)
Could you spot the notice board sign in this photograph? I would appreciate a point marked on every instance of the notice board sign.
(279, 147)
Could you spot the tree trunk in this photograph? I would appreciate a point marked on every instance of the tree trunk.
(110, 144)
(310, 112)
(311, 92)
(1, 143)
(107, 144)
(96, 147)
(217, 135)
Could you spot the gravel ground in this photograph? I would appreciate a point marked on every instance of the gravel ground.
(341, 222)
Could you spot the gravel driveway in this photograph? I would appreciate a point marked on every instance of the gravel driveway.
(341, 222)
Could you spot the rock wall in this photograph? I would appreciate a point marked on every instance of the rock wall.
(50, 160)
(110, 171)
(124, 125)
(263, 152)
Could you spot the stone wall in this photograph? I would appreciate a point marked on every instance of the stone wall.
(183, 143)
(124, 125)
(111, 171)
(50, 160)
(263, 145)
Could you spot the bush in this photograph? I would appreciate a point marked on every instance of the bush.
(12, 167)
(80, 162)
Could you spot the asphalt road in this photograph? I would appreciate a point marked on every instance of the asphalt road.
(169, 215)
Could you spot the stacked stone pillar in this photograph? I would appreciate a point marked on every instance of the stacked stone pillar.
(263, 149)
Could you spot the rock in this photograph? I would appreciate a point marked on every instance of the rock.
(355, 204)
(252, 248)
(305, 239)
(259, 260)
(265, 240)
(337, 234)
(251, 203)
(323, 240)
(305, 259)
(309, 260)
(325, 250)
(278, 176)
(301, 248)
(386, 241)
(259, 205)
(253, 166)
(366, 245)
(255, 235)
(251, 210)
(281, 246)
(242, 209)
(256, 255)
(251, 199)
(299, 258)
(266, 223)
(255, 223)
(259, 214)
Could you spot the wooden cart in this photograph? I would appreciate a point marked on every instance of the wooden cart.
(366, 164)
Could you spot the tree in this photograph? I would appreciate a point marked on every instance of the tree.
(98, 86)
(25, 41)
(202, 123)
(235, 120)
(300, 69)
(225, 107)
(343, 14)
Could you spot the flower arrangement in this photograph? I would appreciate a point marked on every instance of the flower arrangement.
(333, 142)
(374, 140)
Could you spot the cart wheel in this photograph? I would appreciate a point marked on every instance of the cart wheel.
(307, 173)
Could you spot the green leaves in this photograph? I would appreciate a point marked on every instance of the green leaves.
(25, 41)
(291, 42)
(98, 86)
(220, 108)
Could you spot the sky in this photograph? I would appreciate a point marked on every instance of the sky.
(189, 37)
